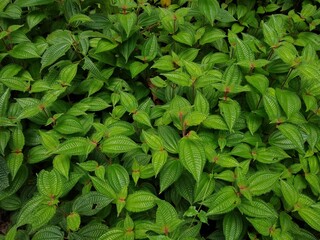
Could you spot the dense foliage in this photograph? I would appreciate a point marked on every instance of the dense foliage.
(159, 119)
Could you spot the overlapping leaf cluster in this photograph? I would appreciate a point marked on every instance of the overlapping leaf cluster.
(131, 120)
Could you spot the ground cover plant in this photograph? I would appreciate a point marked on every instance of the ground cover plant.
(159, 119)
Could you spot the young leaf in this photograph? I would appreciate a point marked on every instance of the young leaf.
(128, 22)
(73, 221)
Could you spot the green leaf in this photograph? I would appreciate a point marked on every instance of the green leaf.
(204, 187)
(24, 51)
(230, 111)
(259, 82)
(211, 35)
(289, 193)
(68, 124)
(16, 184)
(129, 102)
(50, 183)
(152, 140)
(215, 122)
(68, 73)
(192, 156)
(140, 201)
(80, 17)
(4, 172)
(167, 217)
(170, 173)
(233, 225)
(49, 233)
(136, 68)
(257, 208)
(292, 133)
(118, 144)
(262, 182)
(194, 118)
(179, 78)
(210, 9)
(170, 138)
(103, 187)
(223, 201)
(73, 221)
(75, 146)
(117, 177)
(49, 141)
(159, 159)
(32, 3)
(289, 101)
(14, 162)
(90, 203)
(149, 49)
(311, 216)
(264, 226)
(15, 83)
(271, 105)
(62, 164)
(128, 22)
(201, 104)
(53, 53)
(142, 117)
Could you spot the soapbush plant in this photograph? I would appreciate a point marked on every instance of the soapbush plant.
(180, 119)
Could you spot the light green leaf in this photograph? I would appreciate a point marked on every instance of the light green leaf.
(311, 216)
(136, 68)
(152, 140)
(262, 182)
(75, 146)
(230, 111)
(118, 144)
(80, 17)
(215, 122)
(24, 51)
(50, 183)
(128, 22)
(159, 158)
(233, 225)
(62, 164)
(53, 53)
(140, 201)
(49, 233)
(179, 78)
(73, 221)
(259, 82)
(210, 9)
(90, 203)
(257, 208)
(289, 193)
(192, 156)
(292, 133)
(170, 173)
(117, 177)
(129, 102)
(289, 101)
(225, 200)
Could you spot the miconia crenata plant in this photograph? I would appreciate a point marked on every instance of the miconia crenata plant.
(123, 119)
